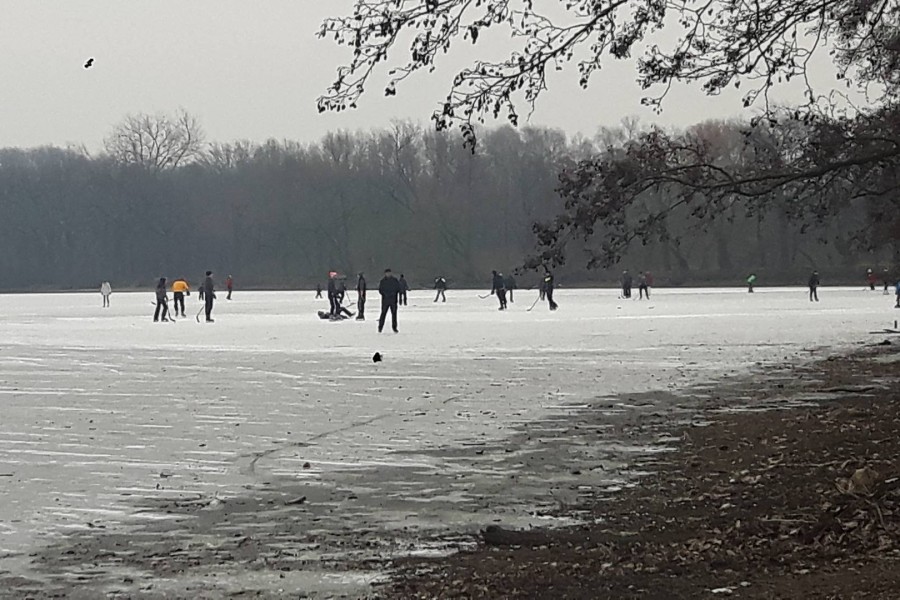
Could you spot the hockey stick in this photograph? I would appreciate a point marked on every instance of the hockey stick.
(197, 317)
(485, 296)
(534, 304)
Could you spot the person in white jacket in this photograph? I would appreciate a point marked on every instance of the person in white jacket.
(105, 291)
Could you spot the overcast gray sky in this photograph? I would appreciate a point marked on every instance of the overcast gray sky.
(248, 70)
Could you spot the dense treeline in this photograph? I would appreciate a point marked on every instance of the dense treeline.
(282, 214)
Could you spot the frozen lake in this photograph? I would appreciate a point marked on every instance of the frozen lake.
(105, 416)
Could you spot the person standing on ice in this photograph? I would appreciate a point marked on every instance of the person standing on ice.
(897, 291)
(871, 279)
(105, 291)
(498, 288)
(162, 302)
(626, 284)
(209, 295)
(404, 287)
(642, 286)
(886, 278)
(180, 288)
(814, 286)
(361, 297)
(510, 283)
(440, 284)
(389, 288)
(318, 291)
(750, 281)
(229, 285)
(332, 293)
(547, 289)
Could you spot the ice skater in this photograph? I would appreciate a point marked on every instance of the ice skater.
(229, 285)
(162, 301)
(361, 297)
(209, 295)
(318, 291)
(440, 284)
(180, 289)
(886, 278)
(105, 291)
(814, 286)
(750, 281)
(626, 284)
(643, 286)
(498, 287)
(871, 279)
(510, 283)
(389, 288)
(547, 288)
(404, 287)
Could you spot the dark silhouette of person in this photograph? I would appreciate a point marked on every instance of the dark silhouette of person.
(626, 284)
(389, 288)
(510, 283)
(498, 287)
(814, 286)
(361, 297)
(162, 302)
(547, 288)
(318, 290)
(333, 294)
(440, 284)
(404, 287)
(209, 295)
(643, 286)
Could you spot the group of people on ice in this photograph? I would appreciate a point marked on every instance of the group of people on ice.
(644, 281)
(393, 292)
(180, 289)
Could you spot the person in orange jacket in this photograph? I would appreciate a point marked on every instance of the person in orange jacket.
(180, 289)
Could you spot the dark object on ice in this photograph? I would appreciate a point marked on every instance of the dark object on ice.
(327, 316)
(299, 500)
(494, 535)
(885, 343)
(376, 357)
(89, 63)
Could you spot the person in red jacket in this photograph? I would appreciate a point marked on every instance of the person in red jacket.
(871, 279)
(229, 284)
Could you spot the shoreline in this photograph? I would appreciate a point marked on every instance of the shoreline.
(757, 500)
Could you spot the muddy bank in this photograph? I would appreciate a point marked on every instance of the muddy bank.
(753, 503)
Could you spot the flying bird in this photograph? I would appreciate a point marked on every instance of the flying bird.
(89, 63)
(377, 357)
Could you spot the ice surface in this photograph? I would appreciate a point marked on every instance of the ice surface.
(102, 409)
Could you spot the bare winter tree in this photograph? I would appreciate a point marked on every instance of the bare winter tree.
(157, 142)
(753, 45)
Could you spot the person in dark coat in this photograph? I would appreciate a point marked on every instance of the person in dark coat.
(440, 284)
(510, 282)
(813, 286)
(332, 294)
(361, 297)
(547, 288)
(389, 288)
(404, 287)
(209, 295)
(626, 284)
(498, 287)
(318, 290)
(162, 302)
(643, 286)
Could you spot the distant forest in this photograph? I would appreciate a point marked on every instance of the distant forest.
(282, 214)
